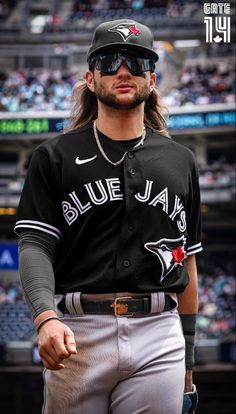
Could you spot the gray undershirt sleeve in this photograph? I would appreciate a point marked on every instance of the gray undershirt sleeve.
(36, 257)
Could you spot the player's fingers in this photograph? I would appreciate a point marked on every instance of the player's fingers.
(50, 363)
(59, 347)
(49, 351)
(70, 342)
(53, 346)
(57, 351)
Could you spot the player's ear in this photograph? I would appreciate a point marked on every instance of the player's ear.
(89, 80)
(152, 81)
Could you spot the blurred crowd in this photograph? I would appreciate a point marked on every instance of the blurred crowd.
(170, 8)
(203, 85)
(10, 292)
(85, 8)
(46, 90)
(216, 317)
(36, 89)
(218, 174)
(216, 305)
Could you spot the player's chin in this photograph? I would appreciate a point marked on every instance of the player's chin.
(128, 94)
(126, 99)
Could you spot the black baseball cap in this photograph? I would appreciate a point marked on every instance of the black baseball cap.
(122, 35)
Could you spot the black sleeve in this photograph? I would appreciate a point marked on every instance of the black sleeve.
(39, 206)
(194, 214)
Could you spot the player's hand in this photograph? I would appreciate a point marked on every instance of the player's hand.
(55, 342)
(190, 401)
(188, 381)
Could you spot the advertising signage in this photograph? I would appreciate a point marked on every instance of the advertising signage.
(201, 120)
(190, 119)
(31, 126)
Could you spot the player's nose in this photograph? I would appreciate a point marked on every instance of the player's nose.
(124, 70)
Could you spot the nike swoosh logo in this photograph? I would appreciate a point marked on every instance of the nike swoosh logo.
(80, 162)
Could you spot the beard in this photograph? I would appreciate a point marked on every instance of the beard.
(112, 101)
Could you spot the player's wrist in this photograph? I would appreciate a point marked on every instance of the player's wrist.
(188, 381)
(43, 316)
(50, 318)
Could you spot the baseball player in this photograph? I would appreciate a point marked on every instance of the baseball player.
(109, 224)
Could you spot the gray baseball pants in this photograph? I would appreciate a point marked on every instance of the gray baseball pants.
(123, 366)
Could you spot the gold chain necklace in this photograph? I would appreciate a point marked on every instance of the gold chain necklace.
(103, 152)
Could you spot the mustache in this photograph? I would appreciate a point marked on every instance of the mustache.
(124, 83)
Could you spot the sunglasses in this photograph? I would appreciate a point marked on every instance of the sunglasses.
(109, 64)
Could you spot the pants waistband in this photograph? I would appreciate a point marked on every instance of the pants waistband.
(118, 304)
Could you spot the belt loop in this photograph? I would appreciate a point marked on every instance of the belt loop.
(157, 302)
(73, 303)
(57, 300)
(77, 304)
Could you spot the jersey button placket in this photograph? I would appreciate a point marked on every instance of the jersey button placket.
(125, 260)
(131, 156)
(126, 263)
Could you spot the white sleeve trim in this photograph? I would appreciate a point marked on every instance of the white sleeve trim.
(194, 249)
(31, 224)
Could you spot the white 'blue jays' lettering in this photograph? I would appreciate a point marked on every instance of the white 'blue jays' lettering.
(102, 191)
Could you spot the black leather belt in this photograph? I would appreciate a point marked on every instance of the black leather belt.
(121, 306)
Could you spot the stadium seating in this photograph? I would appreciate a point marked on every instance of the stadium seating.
(15, 322)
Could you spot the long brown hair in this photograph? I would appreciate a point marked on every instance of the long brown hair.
(85, 109)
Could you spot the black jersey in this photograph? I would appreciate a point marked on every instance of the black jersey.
(123, 228)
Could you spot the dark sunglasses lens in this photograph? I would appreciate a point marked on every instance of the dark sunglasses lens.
(111, 63)
(142, 64)
(135, 64)
(139, 65)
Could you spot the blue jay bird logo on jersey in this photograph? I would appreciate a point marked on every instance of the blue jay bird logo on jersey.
(170, 252)
(125, 30)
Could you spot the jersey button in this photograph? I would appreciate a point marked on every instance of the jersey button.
(126, 263)
(130, 155)
(132, 171)
(130, 226)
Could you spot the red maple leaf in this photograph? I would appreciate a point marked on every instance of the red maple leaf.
(178, 254)
(134, 30)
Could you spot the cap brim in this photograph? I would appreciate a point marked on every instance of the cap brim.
(121, 46)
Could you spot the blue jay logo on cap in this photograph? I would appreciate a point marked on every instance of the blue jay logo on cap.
(125, 30)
